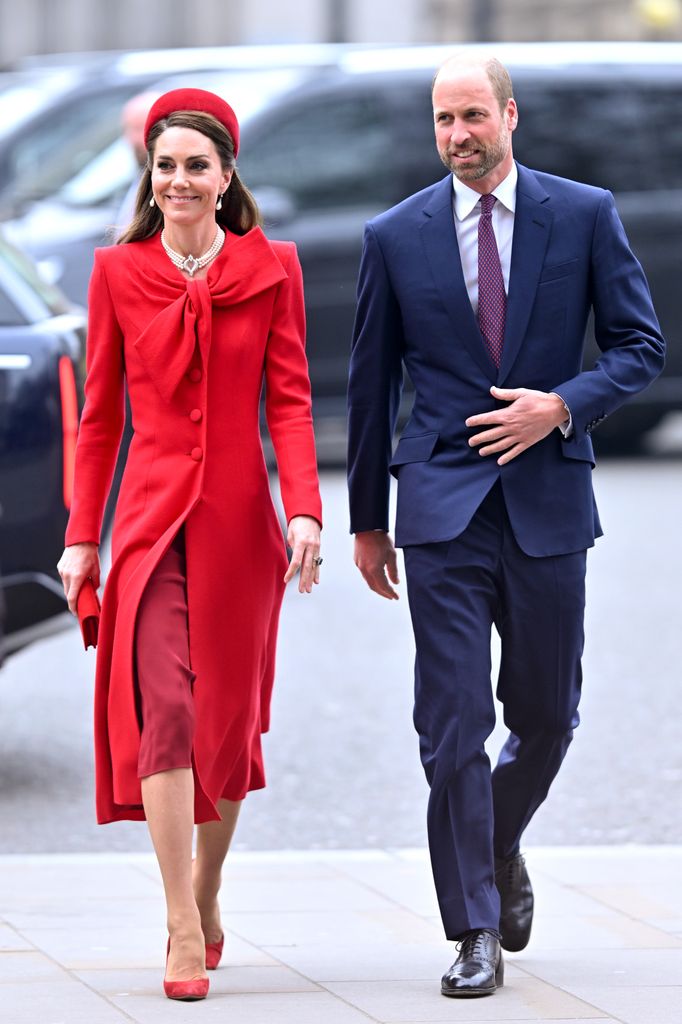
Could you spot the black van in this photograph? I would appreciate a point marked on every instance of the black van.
(42, 344)
(358, 138)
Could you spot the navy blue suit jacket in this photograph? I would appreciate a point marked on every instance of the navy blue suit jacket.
(570, 255)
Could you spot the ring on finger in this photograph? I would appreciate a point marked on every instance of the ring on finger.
(317, 561)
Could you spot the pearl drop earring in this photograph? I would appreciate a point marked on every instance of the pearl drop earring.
(219, 204)
(151, 201)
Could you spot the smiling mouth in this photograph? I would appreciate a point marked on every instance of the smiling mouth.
(181, 199)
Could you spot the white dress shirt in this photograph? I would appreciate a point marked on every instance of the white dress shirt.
(467, 213)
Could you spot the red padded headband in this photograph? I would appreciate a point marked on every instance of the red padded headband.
(194, 99)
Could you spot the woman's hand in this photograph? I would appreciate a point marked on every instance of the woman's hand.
(78, 562)
(303, 537)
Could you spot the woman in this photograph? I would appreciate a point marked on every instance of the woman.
(195, 310)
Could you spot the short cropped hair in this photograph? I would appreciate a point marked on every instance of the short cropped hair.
(498, 76)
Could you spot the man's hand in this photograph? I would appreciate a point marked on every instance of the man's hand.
(530, 417)
(374, 556)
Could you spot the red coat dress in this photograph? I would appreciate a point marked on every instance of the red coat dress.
(194, 355)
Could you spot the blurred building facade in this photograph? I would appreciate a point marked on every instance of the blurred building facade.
(54, 26)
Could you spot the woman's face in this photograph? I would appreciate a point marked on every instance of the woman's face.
(187, 176)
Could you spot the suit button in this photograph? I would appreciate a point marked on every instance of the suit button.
(195, 375)
(196, 415)
(197, 454)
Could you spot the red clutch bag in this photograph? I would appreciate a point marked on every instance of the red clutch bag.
(87, 609)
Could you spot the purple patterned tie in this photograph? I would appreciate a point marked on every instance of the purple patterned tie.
(492, 300)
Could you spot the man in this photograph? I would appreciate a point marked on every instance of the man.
(481, 285)
(133, 120)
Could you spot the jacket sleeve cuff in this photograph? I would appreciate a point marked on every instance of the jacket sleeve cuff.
(566, 427)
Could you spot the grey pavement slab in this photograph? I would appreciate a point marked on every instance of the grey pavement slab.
(412, 1001)
(339, 937)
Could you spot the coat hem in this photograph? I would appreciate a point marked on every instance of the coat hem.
(135, 812)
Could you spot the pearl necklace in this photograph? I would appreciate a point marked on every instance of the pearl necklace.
(190, 263)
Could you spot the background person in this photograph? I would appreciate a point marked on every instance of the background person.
(481, 285)
(195, 309)
(133, 119)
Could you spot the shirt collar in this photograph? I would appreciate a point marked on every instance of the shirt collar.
(466, 198)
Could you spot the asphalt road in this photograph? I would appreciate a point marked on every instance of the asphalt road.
(342, 757)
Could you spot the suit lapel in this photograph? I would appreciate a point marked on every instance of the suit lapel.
(532, 226)
(439, 239)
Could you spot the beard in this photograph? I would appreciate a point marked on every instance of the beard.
(489, 156)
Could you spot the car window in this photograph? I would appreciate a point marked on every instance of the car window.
(418, 164)
(661, 114)
(326, 152)
(55, 150)
(621, 136)
(24, 93)
(104, 178)
(19, 277)
(10, 315)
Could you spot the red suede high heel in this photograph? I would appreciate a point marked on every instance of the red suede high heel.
(188, 991)
(214, 951)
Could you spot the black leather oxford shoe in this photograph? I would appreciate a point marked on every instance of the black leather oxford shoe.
(478, 970)
(516, 902)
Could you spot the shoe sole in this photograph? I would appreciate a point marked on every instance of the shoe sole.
(468, 993)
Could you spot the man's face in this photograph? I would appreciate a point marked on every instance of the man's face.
(133, 119)
(472, 134)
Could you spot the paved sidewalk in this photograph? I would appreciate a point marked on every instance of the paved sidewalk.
(339, 938)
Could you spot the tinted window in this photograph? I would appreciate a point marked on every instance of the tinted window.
(34, 297)
(9, 314)
(329, 151)
(662, 120)
(623, 136)
(415, 156)
(51, 151)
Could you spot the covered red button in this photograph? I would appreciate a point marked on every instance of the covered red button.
(195, 375)
(196, 415)
(197, 454)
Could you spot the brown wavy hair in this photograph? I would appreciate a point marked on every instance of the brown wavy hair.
(239, 213)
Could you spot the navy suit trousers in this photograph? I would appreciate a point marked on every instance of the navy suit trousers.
(457, 591)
